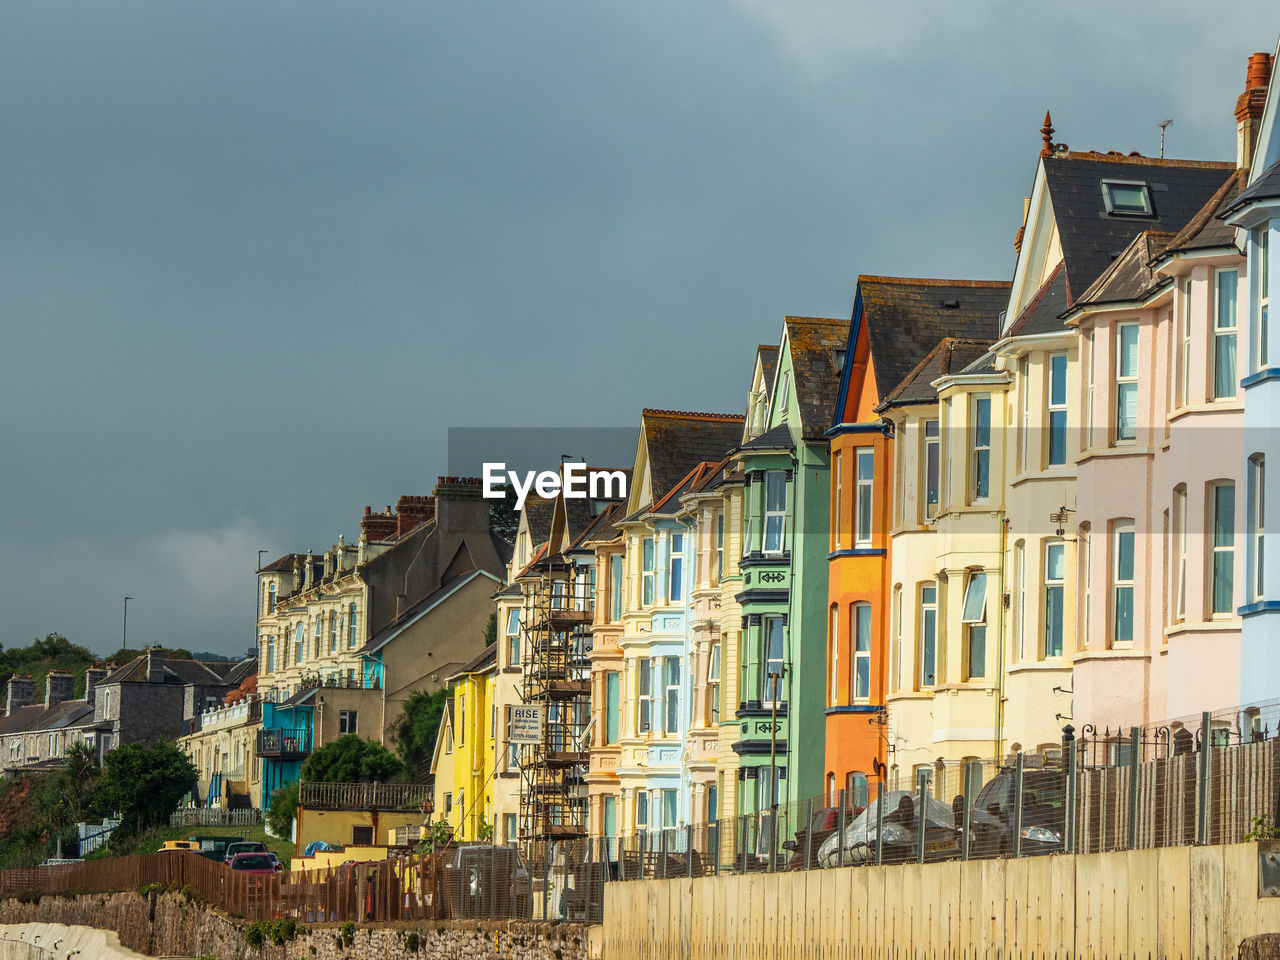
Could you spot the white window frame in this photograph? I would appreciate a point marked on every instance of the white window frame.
(1147, 210)
(766, 685)
(860, 631)
(1019, 599)
(1184, 349)
(980, 446)
(353, 625)
(1126, 383)
(713, 683)
(1257, 526)
(1024, 426)
(333, 631)
(1262, 254)
(718, 522)
(1221, 547)
(1225, 336)
(642, 811)
(864, 496)
(1087, 439)
(675, 567)
(513, 636)
(973, 619)
(1086, 589)
(927, 628)
(648, 558)
(1122, 586)
(644, 697)
(616, 594)
(1055, 411)
(837, 500)
(1052, 584)
(776, 516)
(1180, 537)
(932, 450)
(833, 673)
(671, 679)
(897, 636)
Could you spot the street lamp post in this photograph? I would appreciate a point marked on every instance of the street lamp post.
(124, 636)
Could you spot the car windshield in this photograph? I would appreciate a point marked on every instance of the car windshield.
(252, 861)
(938, 813)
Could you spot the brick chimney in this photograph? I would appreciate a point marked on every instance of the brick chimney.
(92, 677)
(1249, 107)
(460, 505)
(413, 511)
(378, 526)
(58, 686)
(22, 691)
(155, 664)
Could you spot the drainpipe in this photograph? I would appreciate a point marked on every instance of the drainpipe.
(999, 744)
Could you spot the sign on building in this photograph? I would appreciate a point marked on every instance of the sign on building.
(525, 724)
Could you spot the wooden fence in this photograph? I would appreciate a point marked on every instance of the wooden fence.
(362, 796)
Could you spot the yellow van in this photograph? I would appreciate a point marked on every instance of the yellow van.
(180, 845)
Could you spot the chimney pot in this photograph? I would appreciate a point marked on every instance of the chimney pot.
(1259, 70)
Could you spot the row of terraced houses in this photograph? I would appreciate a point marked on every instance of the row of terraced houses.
(945, 527)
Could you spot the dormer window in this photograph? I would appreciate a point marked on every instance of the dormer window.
(1127, 198)
(839, 361)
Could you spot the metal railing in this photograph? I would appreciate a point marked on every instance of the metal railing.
(363, 796)
(1025, 806)
(206, 817)
(283, 742)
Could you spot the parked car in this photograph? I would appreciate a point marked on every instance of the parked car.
(824, 823)
(487, 881)
(214, 847)
(255, 863)
(170, 846)
(902, 825)
(1043, 804)
(243, 846)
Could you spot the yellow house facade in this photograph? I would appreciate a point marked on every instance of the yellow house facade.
(464, 764)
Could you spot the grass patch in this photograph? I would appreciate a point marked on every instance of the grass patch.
(151, 840)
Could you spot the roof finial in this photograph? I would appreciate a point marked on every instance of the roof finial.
(1047, 133)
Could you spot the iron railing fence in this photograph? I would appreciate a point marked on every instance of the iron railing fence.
(214, 817)
(1079, 799)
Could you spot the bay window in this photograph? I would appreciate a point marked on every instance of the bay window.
(1019, 599)
(771, 662)
(333, 631)
(713, 683)
(862, 503)
(353, 626)
(671, 673)
(1056, 406)
(1054, 596)
(932, 463)
(646, 571)
(644, 695)
(775, 510)
(1122, 583)
(675, 569)
(1184, 347)
(1222, 504)
(973, 616)
(1180, 552)
(837, 500)
(513, 637)
(981, 438)
(1262, 285)
(615, 587)
(1126, 422)
(1226, 284)
(1257, 526)
(611, 706)
(928, 630)
(833, 674)
(719, 567)
(861, 652)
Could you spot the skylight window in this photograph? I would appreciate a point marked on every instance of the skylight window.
(1127, 198)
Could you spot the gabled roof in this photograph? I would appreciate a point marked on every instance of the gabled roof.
(812, 343)
(537, 516)
(1043, 313)
(1130, 277)
(175, 671)
(693, 480)
(768, 355)
(951, 355)
(1206, 231)
(906, 318)
(604, 527)
(35, 717)
(482, 662)
(1266, 187)
(421, 609)
(678, 440)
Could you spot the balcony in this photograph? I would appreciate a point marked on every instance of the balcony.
(284, 743)
(363, 796)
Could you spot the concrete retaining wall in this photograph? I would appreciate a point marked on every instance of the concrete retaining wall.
(1175, 903)
(56, 941)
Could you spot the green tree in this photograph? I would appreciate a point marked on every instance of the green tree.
(351, 759)
(417, 728)
(281, 809)
(491, 630)
(78, 781)
(504, 519)
(145, 782)
(54, 652)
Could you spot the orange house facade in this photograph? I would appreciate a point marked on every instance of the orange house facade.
(858, 581)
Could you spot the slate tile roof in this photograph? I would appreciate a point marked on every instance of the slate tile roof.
(768, 353)
(175, 671)
(1205, 230)
(68, 713)
(694, 480)
(538, 512)
(1091, 238)
(984, 364)
(951, 355)
(779, 438)
(906, 318)
(480, 663)
(1130, 277)
(1266, 187)
(812, 343)
(678, 440)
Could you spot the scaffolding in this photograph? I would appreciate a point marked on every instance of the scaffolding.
(558, 610)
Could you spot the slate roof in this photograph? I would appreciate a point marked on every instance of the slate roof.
(1205, 230)
(1091, 237)
(984, 364)
(1043, 312)
(1130, 276)
(768, 353)
(951, 355)
(677, 441)
(485, 659)
(538, 510)
(695, 479)
(438, 595)
(779, 438)
(1266, 187)
(812, 343)
(175, 671)
(68, 713)
(906, 318)
(604, 527)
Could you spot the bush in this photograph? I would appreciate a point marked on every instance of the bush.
(281, 810)
(347, 933)
(411, 942)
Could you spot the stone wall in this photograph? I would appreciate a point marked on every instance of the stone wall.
(169, 924)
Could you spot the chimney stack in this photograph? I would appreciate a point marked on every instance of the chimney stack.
(1249, 108)
(58, 686)
(378, 526)
(155, 664)
(460, 506)
(22, 691)
(92, 677)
